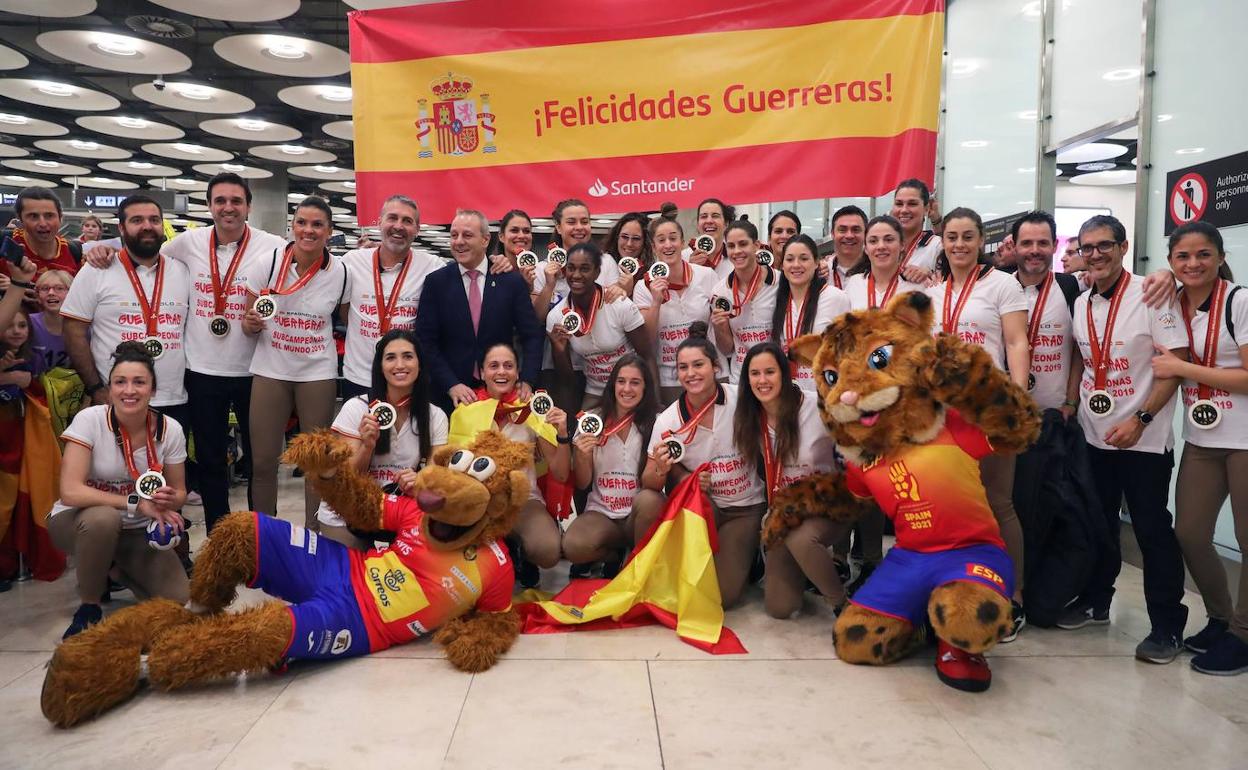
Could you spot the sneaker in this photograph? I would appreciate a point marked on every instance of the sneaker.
(863, 573)
(86, 616)
(960, 669)
(1020, 620)
(1159, 647)
(1227, 656)
(1202, 641)
(1080, 615)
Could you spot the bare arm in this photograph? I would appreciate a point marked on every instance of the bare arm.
(75, 492)
(1017, 349)
(79, 348)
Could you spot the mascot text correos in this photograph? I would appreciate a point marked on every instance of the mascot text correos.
(447, 573)
(912, 415)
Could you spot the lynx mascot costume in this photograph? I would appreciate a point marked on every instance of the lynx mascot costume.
(446, 572)
(912, 415)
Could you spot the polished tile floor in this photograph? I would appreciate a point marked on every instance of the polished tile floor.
(640, 698)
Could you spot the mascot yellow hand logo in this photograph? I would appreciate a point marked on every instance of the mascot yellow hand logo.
(905, 485)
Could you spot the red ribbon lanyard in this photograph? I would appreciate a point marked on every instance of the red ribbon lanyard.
(1212, 328)
(1101, 349)
(127, 447)
(836, 275)
(221, 289)
(509, 409)
(1037, 314)
(402, 402)
(739, 301)
(616, 427)
(150, 308)
(385, 307)
(949, 322)
(910, 250)
(594, 306)
(791, 330)
(771, 468)
(888, 291)
(691, 425)
(287, 259)
(686, 272)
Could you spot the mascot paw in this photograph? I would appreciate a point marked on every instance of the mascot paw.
(474, 642)
(970, 616)
(318, 452)
(811, 497)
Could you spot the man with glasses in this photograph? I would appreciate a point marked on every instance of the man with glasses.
(1126, 416)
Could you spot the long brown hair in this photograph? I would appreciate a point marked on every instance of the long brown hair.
(647, 408)
(747, 431)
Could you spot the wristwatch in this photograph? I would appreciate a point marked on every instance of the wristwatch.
(564, 439)
(132, 503)
(1144, 417)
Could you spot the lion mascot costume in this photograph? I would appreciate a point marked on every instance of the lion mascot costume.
(912, 414)
(446, 573)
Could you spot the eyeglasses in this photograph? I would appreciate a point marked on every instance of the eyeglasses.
(1104, 247)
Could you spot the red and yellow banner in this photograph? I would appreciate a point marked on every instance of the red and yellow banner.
(494, 104)
(669, 579)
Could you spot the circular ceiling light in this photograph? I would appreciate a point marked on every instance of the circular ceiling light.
(329, 99)
(141, 168)
(250, 130)
(86, 146)
(17, 180)
(53, 89)
(1098, 165)
(140, 164)
(62, 96)
(61, 9)
(192, 91)
(13, 120)
(251, 125)
(43, 166)
(47, 163)
(77, 148)
(185, 151)
(195, 97)
(233, 11)
(289, 51)
(245, 171)
(11, 59)
(291, 153)
(340, 129)
(1105, 178)
(283, 55)
(9, 151)
(130, 127)
(336, 94)
(1085, 153)
(291, 149)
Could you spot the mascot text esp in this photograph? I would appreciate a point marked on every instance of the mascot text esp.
(912, 415)
(446, 572)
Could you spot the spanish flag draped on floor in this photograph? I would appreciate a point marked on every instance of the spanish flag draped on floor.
(669, 579)
(30, 467)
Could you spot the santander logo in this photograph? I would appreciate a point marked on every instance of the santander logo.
(598, 189)
(640, 186)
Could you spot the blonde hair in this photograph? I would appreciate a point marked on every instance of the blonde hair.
(60, 275)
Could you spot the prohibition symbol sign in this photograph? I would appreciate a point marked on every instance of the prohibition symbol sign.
(1188, 199)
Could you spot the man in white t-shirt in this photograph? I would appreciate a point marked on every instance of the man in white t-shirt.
(1048, 327)
(1126, 415)
(849, 232)
(389, 263)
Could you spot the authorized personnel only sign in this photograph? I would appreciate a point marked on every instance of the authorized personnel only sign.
(1215, 192)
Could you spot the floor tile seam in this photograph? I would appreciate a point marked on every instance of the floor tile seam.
(945, 717)
(290, 680)
(23, 674)
(654, 709)
(458, 717)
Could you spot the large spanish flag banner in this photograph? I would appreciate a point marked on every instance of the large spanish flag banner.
(497, 104)
(30, 470)
(669, 579)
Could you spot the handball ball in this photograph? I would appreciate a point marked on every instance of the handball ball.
(162, 537)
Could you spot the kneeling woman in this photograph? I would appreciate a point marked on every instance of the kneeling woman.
(609, 466)
(777, 426)
(100, 518)
(391, 455)
(536, 530)
(701, 421)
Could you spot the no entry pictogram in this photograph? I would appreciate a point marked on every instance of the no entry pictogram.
(1188, 198)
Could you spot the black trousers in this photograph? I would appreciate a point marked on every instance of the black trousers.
(210, 398)
(349, 390)
(1143, 478)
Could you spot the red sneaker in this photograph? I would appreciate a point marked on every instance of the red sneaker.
(960, 669)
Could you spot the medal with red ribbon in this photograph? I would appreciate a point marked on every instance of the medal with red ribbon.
(686, 274)
(771, 468)
(387, 414)
(888, 290)
(266, 304)
(1033, 325)
(509, 409)
(948, 318)
(386, 306)
(676, 440)
(1204, 413)
(905, 258)
(582, 329)
(219, 325)
(615, 427)
(150, 480)
(1099, 401)
(148, 308)
(739, 298)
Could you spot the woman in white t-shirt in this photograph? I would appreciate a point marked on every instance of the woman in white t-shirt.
(712, 219)
(776, 427)
(670, 303)
(986, 307)
(591, 330)
(805, 302)
(100, 518)
(701, 423)
(877, 279)
(536, 530)
(750, 291)
(609, 466)
(1215, 431)
(391, 456)
(295, 365)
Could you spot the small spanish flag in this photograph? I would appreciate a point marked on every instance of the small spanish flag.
(669, 579)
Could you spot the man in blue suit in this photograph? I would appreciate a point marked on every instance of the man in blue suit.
(464, 310)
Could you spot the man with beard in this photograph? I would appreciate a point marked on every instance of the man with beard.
(140, 296)
(386, 283)
(1050, 297)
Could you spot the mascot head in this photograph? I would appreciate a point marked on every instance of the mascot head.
(870, 369)
(472, 494)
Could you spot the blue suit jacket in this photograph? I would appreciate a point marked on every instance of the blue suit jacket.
(444, 325)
